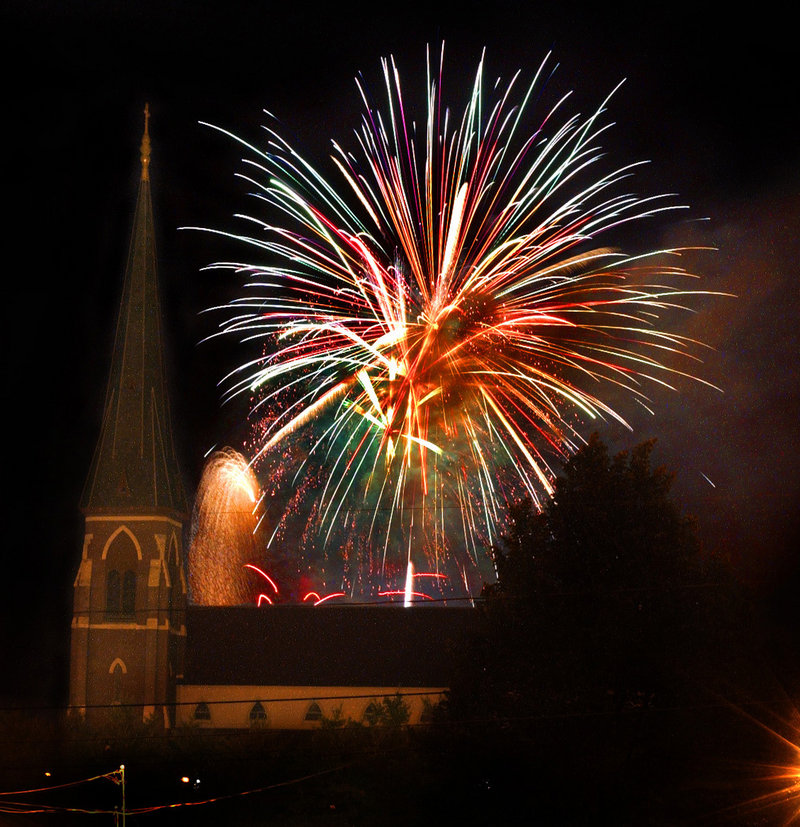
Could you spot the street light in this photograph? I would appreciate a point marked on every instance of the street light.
(122, 777)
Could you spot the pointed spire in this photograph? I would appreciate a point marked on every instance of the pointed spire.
(135, 467)
(145, 147)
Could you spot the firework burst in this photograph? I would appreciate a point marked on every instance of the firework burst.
(439, 317)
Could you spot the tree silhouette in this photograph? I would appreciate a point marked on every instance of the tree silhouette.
(610, 526)
(598, 596)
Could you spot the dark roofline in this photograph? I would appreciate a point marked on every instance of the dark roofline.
(326, 646)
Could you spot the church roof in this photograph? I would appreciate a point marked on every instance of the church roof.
(135, 467)
(333, 646)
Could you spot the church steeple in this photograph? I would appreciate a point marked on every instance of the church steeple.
(128, 623)
(135, 466)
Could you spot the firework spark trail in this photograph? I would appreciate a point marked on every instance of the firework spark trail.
(448, 313)
(224, 539)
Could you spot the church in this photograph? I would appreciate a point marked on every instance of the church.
(137, 639)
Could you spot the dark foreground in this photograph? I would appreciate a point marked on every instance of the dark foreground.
(714, 764)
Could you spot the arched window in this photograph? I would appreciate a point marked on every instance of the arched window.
(121, 554)
(202, 712)
(113, 592)
(129, 593)
(313, 713)
(258, 714)
(117, 670)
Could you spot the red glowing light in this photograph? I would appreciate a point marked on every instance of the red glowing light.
(263, 574)
(263, 598)
(328, 597)
(396, 592)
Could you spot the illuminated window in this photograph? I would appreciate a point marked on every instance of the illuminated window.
(314, 713)
(129, 593)
(113, 592)
(202, 712)
(258, 714)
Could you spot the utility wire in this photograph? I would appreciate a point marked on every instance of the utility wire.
(62, 786)
(289, 699)
(15, 806)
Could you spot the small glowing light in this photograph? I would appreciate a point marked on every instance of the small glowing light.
(185, 779)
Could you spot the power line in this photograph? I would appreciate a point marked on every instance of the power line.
(25, 808)
(170, 704)
(61, 786)
(449, 722)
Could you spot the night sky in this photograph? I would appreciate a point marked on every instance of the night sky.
(708, 100)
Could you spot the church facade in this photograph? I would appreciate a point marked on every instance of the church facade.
(137, 641)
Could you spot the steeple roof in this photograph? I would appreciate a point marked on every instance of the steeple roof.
(135, 468)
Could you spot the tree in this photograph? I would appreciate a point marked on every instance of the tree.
(611, 525)
(597, 593)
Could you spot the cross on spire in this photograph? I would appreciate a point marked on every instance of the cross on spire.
(145, 149)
